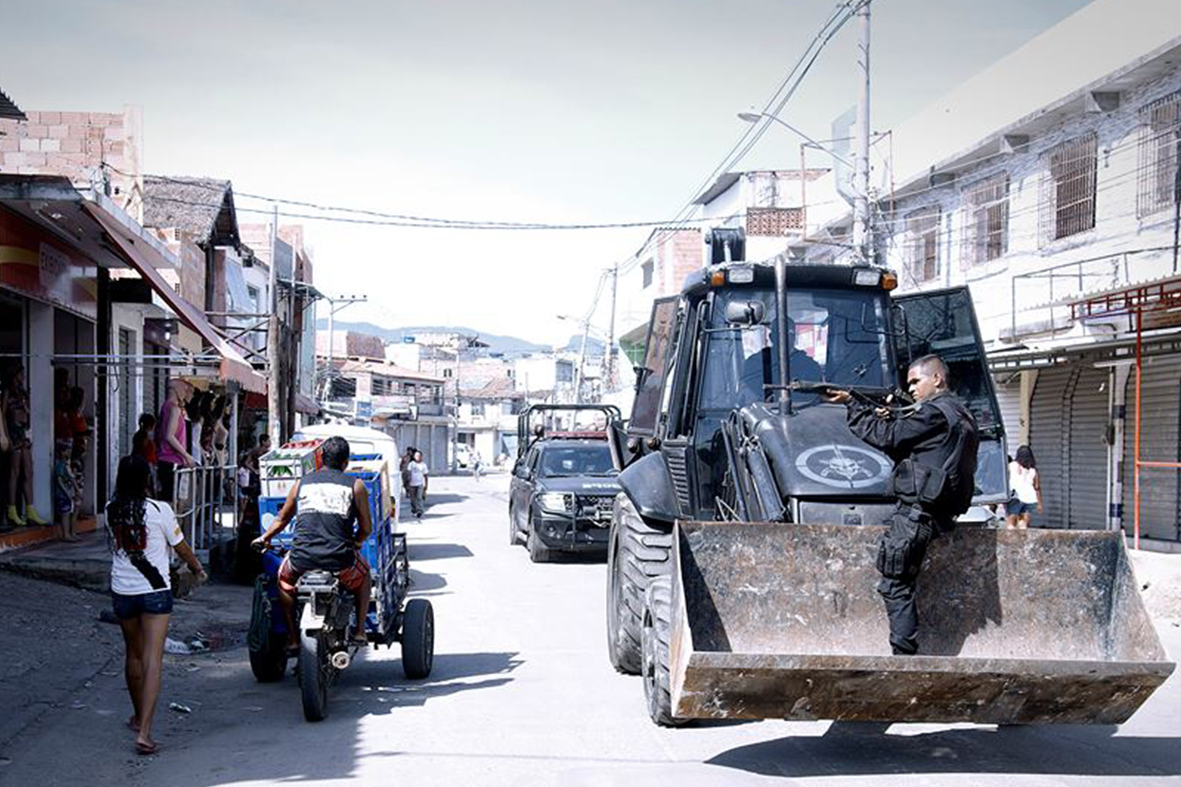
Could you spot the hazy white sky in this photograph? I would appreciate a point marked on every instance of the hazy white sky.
(519, 110)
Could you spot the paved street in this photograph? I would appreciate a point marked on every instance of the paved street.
(522, 694)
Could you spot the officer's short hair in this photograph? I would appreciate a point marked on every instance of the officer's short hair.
(335, 453)
(931, 365)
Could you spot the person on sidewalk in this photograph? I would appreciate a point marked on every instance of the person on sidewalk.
(143, 443)
(403, 462)
(140, 531)
(14, 409)
(333, 525)
(65, 490)
(417, 479)
(1027, 490)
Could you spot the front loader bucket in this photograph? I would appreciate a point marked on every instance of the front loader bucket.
(1016, 626)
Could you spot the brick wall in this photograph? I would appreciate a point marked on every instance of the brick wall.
(75, 145)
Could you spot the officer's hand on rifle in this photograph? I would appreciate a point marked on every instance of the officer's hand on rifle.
(837, 396)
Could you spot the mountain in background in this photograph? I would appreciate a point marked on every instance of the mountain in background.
(508, 345)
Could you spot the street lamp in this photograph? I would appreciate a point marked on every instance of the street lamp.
(755, 117)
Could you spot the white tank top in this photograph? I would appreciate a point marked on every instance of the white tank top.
(1021, 479)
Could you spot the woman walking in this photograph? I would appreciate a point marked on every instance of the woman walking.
(1027, 489)
(141, 530)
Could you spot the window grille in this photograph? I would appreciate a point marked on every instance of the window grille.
(922, 244)
(1068, 189)
(986, 236)
(774, 222)
(1160, 136)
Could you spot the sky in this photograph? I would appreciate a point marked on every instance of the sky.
(521, 111)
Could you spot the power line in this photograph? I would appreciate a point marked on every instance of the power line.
(841, 15)
(451, 225)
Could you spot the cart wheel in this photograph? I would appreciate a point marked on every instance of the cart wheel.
(313, 676)
(269, 664)
(418, 639)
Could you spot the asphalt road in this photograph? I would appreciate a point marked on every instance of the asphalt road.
(522, 694)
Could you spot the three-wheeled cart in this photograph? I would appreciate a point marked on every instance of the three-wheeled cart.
(391, 617)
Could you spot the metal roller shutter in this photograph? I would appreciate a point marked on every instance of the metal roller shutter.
(1008, 396)
(1087, 490)
(1160, 440)
(1048, 418)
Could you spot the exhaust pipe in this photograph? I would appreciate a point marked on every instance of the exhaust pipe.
(340, 659)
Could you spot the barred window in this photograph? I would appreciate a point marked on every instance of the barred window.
(1160, 134)
(1067, 203)
(922, 244)
(986, 236)
(774, 222)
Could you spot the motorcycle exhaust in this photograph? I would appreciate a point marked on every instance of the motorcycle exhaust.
(340, 659)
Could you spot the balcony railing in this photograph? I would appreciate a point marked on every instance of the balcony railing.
(1040, 301)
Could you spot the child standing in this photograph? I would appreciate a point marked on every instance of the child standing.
(65, 489)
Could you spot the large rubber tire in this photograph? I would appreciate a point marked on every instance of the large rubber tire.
(654, 637)
(538, 552)
(637, 554)
(418, 639)
(313, 676)
(514, 535)
(270, 664)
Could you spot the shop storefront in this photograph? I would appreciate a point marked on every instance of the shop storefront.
(48, 313)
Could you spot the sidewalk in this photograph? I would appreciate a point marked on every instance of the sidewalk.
(84, 564)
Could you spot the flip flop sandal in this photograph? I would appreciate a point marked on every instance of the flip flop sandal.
(146, 749)
(133, 724)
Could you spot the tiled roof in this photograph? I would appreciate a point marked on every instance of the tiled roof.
(202, 207)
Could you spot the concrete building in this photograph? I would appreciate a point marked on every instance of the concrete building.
(488, 418)
(1056, 203)
(406, 403)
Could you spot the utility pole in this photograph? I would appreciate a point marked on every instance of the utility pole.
(581, 361)
(344, 300)
(862, 235)
(274, 372)
(610, 376)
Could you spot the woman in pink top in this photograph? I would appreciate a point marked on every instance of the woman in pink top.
(172, 438)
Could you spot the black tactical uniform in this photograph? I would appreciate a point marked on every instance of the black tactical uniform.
(934, 449)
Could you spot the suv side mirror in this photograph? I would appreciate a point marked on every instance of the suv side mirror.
(745, 313)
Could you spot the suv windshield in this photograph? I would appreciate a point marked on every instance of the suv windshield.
(559, 460)
(836, 335)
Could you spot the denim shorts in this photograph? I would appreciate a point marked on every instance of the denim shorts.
(1016, 508)
(158, 602)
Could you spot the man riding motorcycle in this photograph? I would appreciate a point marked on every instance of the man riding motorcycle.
(330, 505)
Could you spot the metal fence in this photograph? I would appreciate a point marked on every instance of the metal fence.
(204, 505)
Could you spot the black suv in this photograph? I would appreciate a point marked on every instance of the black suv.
(561, 496)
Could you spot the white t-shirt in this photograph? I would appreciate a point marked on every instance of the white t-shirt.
(1021, 479)
(418, 473)
(161, 531)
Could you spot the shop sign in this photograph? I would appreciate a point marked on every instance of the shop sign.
(34, 264)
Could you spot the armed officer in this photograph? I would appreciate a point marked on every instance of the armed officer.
(933, 444)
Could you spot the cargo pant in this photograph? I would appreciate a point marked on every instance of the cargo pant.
(900, 556)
